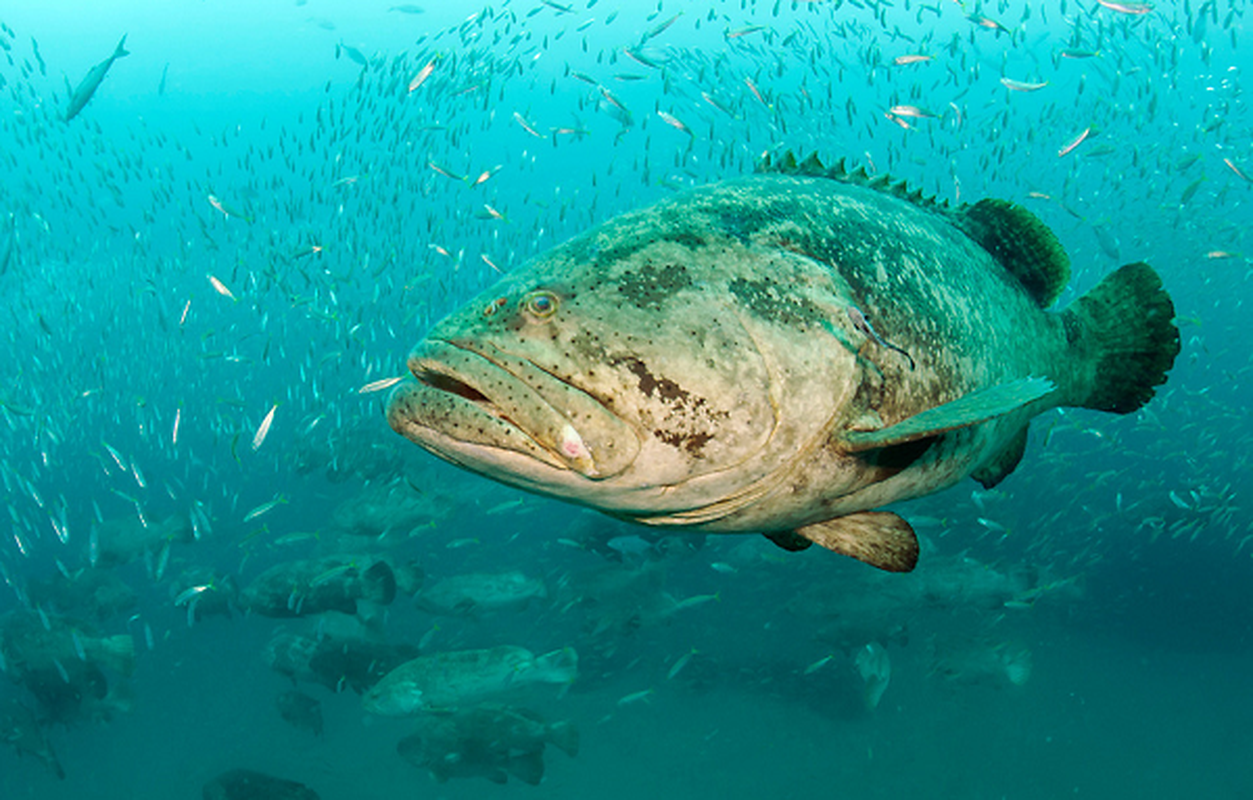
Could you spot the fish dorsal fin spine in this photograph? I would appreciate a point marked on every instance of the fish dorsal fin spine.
(1022, 244)
(811, 166)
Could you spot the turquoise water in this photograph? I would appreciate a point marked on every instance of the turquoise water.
(1082, 629)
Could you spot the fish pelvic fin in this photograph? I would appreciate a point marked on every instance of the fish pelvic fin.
(1124, 336)
(879, 538)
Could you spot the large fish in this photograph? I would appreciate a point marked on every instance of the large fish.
(479, 592)
(446, 680)
(488, 741)
(781, 353)
(89, 84)
(349, 584)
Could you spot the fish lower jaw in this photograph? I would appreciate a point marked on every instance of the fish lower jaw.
(442, 407)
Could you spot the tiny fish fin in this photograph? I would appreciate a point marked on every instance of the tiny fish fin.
(963, 412)
(1022, 244)
(789, 540)
(1123, 334)
(999, 467)
(879, 538)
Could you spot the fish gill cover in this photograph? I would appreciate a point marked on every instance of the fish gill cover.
(223, 225)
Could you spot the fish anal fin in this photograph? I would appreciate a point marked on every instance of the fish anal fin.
(789, 540)
(1021, 243)
(1004, 462)
(879, 538)
(963, 412)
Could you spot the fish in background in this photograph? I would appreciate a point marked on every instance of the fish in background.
(391, 508)
(473, 593)
(782, 353)
(336, 662)
(247, 784)
(300, 710)
(875, 669)
(20, 729)
(98, 595)
(87, 87)
(205, 592)
(31, 640)
(349, 584)
(456, 678)
(65, 665)
(486, 741)
(122, 540)
(981, 661)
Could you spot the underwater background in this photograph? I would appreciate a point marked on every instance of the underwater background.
(209, 270)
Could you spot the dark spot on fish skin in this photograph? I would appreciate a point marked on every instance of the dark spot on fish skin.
(651, 286)
(689, 422)
(688, 239)
(767, 300)
(691, 442)
(739, 218)
(650, 384)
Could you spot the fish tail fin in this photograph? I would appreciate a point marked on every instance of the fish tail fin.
(1125, 335)
(118, 653)
(121, 48)
(559, 666)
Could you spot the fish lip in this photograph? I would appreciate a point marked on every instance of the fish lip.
(511, 394)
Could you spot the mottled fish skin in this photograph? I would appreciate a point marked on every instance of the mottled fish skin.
(448, 679)
(695, 362)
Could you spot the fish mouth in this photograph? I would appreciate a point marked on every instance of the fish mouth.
(494, 412)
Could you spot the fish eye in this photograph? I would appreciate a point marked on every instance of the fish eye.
(540, 304)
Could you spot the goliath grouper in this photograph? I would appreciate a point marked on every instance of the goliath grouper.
(781, 353)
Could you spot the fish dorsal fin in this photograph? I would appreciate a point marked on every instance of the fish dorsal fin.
(812, 167)
(879, 538)
(963, 412)
(1022, 244)
(1019, 241)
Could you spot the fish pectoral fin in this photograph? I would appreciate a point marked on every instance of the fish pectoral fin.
(963, 412)
(879, 538)
(1004, 462)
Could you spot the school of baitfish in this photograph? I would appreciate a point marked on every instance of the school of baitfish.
(655, 265)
